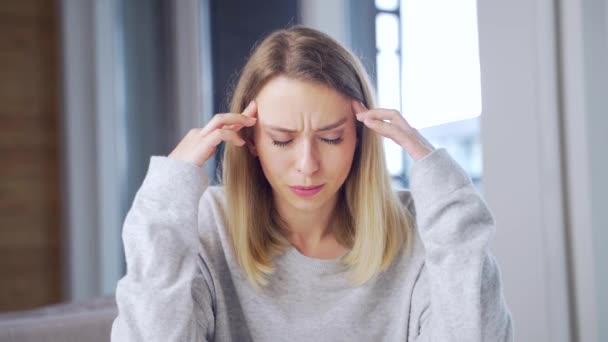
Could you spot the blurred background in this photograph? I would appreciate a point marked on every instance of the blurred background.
(516, 91)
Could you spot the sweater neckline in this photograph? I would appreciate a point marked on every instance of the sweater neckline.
(293, 257)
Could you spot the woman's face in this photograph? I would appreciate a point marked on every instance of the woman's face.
(305, 137)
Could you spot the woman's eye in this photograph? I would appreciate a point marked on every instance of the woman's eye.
(333, 141)
(281, 143)
(286, 142)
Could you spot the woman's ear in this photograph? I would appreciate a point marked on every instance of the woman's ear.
(248, 134)
(251, 147)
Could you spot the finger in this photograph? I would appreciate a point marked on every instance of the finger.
(358, 107)
(234, 127)
(385, 129)
(220, 120)
(390, 115)
(251, 109)
(379, 114)
(219, 135)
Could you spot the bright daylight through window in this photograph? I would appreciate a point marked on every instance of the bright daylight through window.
(428, 68)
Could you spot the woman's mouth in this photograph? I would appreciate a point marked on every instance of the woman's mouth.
(306, 191)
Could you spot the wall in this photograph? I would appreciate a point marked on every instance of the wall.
(523, 163)
(30, 220)
(584, 50)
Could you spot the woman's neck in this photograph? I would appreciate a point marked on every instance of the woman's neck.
(310, 231)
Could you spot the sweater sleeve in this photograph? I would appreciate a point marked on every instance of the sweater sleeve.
(163, 297)
(460, 279)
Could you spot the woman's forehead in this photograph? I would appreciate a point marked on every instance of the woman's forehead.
(284, 100)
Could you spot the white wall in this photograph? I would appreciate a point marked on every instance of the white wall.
(520, 129)
(585, 74)
(544, 81)
(597, 74)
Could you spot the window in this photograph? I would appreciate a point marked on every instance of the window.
(428, 68)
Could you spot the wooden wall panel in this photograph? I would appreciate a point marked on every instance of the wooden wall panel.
(30, 207)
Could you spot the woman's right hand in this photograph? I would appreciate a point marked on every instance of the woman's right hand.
(200, 144)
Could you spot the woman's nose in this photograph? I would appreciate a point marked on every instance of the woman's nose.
(308, 161)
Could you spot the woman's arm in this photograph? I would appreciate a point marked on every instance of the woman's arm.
(459, 289)
(458, 295)
(165, 295)
(156, 298)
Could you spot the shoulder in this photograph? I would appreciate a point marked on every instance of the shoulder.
(415, 248)
(215, 193)
(212, 204)
(212, 209)
(212, 223)
(213, 196)
(406, 199)
(216, 257)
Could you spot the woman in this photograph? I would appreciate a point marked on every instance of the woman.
(305, 240)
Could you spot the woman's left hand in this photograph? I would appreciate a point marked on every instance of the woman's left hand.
(391, 124)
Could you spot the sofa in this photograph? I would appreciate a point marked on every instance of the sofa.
(89, 321)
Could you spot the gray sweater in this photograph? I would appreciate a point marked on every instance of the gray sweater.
(184, 284)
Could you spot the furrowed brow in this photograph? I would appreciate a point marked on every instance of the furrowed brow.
(322, 129)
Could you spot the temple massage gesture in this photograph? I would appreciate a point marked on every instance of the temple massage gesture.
(391, 124)
(200, 144)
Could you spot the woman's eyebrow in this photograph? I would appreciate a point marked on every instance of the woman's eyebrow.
(325, 128)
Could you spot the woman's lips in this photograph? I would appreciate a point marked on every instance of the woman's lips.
(306, 191)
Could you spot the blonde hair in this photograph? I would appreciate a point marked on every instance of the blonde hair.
(372, 222)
